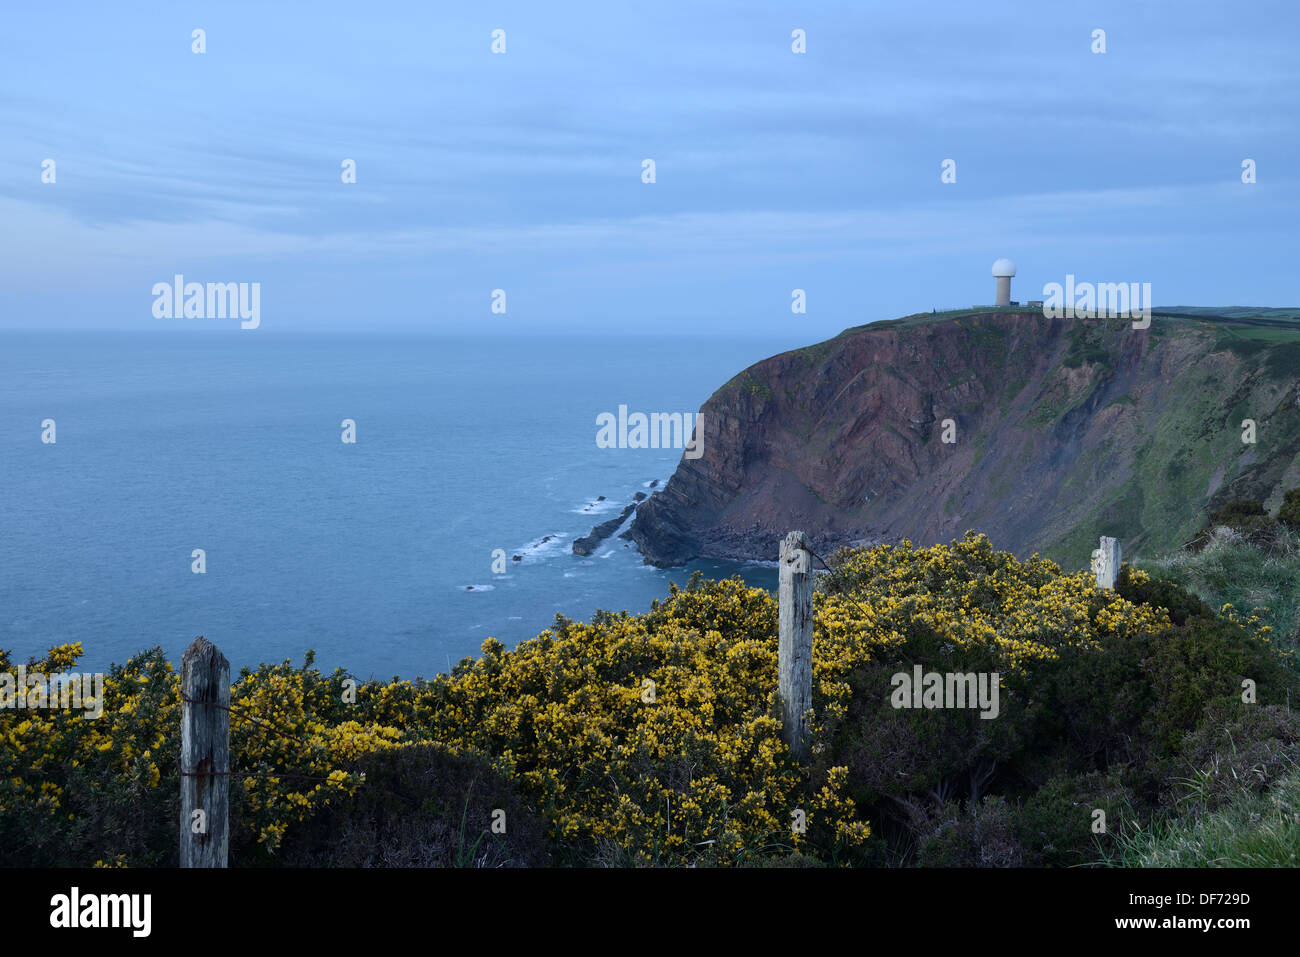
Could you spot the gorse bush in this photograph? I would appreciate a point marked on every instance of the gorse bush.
(655, 739)
(74, 791)
(656, 733)
(1098, 690)
(78, 790)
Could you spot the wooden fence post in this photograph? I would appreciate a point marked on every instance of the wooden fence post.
(1106, 562)
(205, 756)
(794, 650)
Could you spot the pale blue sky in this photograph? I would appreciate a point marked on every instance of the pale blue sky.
(523, 171)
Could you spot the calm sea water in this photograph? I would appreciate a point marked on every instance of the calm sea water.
(231, 444)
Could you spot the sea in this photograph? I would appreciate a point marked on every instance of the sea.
(176, 452)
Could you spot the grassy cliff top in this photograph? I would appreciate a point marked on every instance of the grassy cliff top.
(1260, 323)
(1265, 316)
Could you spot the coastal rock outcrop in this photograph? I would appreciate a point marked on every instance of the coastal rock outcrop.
(587, 544)
(1042, 433)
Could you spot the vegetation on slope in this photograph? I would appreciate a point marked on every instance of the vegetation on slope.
(655, 738)
(1246, 558)
(1077, 421)
(1257, 829)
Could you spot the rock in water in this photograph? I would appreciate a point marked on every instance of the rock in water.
(587, 544)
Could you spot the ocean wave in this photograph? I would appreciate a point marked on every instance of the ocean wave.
(542, 547)
(594, 507)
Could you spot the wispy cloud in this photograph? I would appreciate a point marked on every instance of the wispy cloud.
(472, 165)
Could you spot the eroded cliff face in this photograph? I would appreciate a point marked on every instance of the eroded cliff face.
(1065, 429)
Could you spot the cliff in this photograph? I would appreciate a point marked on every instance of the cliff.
(1065, 429)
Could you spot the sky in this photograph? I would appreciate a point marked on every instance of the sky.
(523, 170)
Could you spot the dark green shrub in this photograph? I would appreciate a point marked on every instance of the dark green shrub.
(1097, 727)
(1249, 519)
(1237, 511)
(421, 806)
(1289, 513)
(1236, 749)
(1178, 601)
(980, 834)
(1057, 824)
(889, 751)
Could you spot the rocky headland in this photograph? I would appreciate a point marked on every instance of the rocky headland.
(1042, 433)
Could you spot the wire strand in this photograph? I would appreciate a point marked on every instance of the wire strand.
(240, 713)
(834, 572)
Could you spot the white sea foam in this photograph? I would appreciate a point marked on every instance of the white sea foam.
(538, 549)
(593, 507)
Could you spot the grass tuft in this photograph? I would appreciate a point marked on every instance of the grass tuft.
(1233, 569)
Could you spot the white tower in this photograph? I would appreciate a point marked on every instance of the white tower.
(1003, 270)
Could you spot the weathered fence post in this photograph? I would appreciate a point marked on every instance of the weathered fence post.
(794, 650)
(1106, 562)
(205, 755)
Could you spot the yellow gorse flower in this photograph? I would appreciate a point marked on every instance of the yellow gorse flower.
(696, 771)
